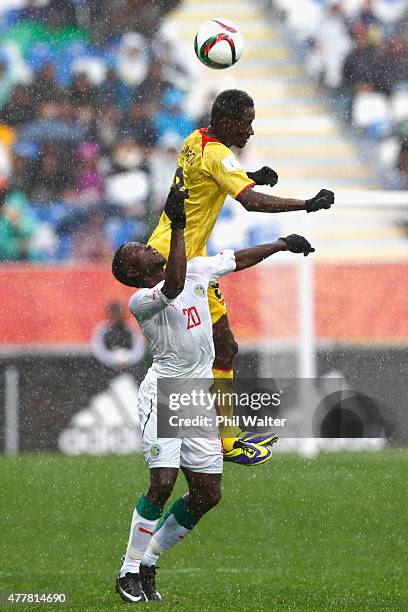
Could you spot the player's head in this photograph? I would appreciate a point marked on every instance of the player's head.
(115, 312)
(137, 265)
(232, 115)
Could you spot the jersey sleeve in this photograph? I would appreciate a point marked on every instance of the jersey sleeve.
(220, 163)
(145, 303)
(213, 267)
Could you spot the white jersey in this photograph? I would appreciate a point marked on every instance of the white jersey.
(180, 331)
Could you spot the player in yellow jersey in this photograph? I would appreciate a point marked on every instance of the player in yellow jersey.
(211, 172)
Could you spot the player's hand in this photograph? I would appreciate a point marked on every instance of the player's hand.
(324, 199)
(264, 176)
(174, 207)
(298, 244)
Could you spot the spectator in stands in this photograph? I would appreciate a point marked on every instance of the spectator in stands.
(176, 67)
(138, 125)
(153, 87)
(107, 130)
(82, 92)
(52, 174)
(132, 60)
(33, 11)
(44, 87)
(397, 68)
(114, 92)
(115, 343)
(17, 225)
(359, 66)
(90, 185)
(90, 243)
(61, 12)
(402, 166)
(162, 164)
(367, 16)
(18, 110)
(327, 59)
(6, 83)
(22, 166)
(401, 27)
(172, 118)
(127, 185)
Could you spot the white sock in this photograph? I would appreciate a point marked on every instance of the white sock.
(169, 534)
(141, 533)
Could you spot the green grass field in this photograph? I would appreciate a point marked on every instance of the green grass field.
(296, 534)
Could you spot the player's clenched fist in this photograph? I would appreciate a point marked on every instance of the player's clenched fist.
(298, 244)
(324, 199)
(174, 207)
(264, 176)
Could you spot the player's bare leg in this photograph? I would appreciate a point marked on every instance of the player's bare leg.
(226, 348)
(204, 493)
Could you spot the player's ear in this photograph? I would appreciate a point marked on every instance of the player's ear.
(133, 273)
(225, 124)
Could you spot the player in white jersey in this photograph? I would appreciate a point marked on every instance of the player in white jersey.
(172, 309)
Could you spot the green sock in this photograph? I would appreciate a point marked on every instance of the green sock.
(148, 510)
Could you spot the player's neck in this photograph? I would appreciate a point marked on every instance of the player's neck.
(154, 279)
(216, 134)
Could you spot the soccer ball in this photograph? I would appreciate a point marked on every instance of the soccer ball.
(218, 43)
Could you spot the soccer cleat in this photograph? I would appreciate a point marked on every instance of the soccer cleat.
(130, 588)
(246, 453)
(148, 581)
(266, 439)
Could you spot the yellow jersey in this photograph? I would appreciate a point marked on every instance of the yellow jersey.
(211, 172)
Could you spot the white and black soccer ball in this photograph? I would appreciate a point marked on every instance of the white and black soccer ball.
(218, 43)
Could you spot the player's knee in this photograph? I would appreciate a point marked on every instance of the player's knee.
(225, 355)
(234, 348)
(231, 350)
(158, 495)
(160, 491)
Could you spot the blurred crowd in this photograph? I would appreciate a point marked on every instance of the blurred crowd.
(358, 50)
(93, 107)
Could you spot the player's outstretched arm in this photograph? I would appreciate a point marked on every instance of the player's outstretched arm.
(250, 257)
(263, 202)
(177, 261)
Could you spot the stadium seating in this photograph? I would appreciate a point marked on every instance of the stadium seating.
(69, 111)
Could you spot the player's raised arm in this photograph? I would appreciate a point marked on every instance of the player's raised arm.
(252, 256)
(262, 202)
(177, 261)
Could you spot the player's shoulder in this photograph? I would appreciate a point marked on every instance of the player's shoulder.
(143, 295)
(210, 146)
(215, 151)
(206, 267)
(136, 298)
(196, 266)
(193, 140)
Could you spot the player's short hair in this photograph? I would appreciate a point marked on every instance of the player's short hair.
(230, 104)
(120, 267)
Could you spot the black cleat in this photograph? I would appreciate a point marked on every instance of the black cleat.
(130, 589)
(148, 580)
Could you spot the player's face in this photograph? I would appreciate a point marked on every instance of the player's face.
(144, 260)
(241, 129)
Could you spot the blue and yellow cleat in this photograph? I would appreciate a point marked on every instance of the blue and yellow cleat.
(266, 439)
(246, 453)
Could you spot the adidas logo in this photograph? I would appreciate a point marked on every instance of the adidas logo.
(109, 425)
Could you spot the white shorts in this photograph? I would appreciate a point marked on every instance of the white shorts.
(195, 454)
